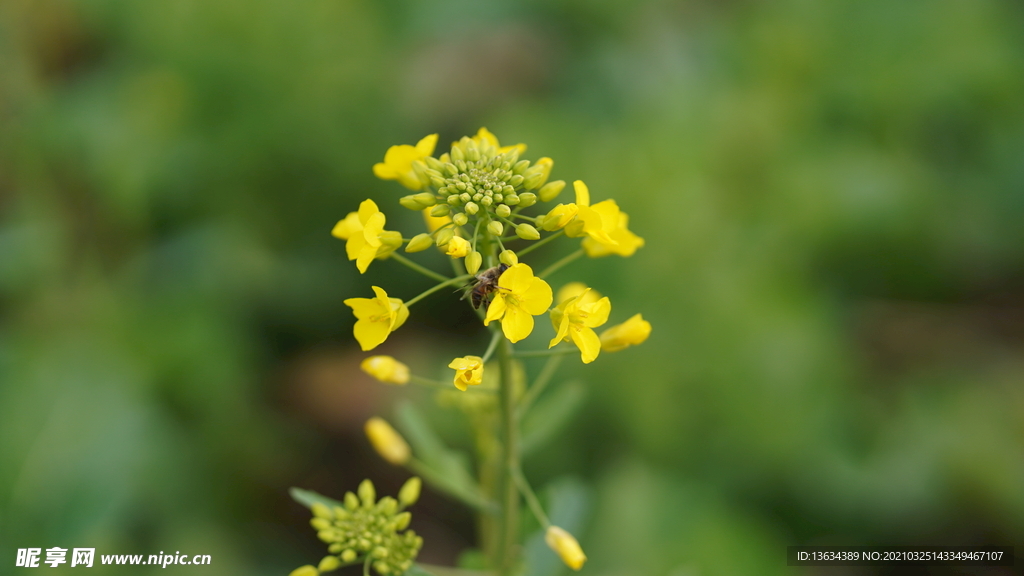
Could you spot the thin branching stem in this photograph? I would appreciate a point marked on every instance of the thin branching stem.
(541, 242)
(546, 373)
(429, 291)
(425, 271)
(558, 265)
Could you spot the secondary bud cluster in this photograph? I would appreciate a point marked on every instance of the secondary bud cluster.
(365, 527)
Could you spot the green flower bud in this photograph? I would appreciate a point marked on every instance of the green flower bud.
(520, 167)
(367, 493)
(411, 203)
(441, 210)
(461, 186)
(472, 153)
(410, 491)
(527, 199)
(454, 200)
(451, 169)
(496, 228)
(466, 196)
(382, 567)
(434, 163)
(349, 556)
(508, 258)
(306, 570)
(380, 552)
(336, 548)
(419, 243)
(516, 180)
(527, 232)
(392, 238)
(425, 198)
(326, 535)
(320, 523)
(473, 261)
(512, 199)
(443, 236)
(499, 197)
(457, 155)
(511, 157)
(364, 545)
(321, 511)
(472, 208)
(351, 502)
(437, 181)
(402, 520)
(535, 180)
(460, 219)
(551, 190)
(329, 563)
(503, 211)
(478, 197)
(487, 200)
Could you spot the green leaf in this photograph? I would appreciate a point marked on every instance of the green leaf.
(307, 498)
(567, 501)
(428, 447)
(550, 414)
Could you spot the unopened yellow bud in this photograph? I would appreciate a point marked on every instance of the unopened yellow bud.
(329, 563)
(496, 228)
(527, 199)
(527, 232)
(386, 369)
(410, 202)
(567, 548)
(367, 493)
(349, 555)
(503, 210)
(508, 258)
(321, 511)
(551, 190)
(419, 243)
(402, 521)
(472, 208)
(306, 570)
(425, 198)
(392, 238)
(538, 174)
(630, 333)
(473, 261)
(519, 167)
(440, 211)
(443, 236)
(460, 219)
(351, 500)
(458, 247)
(387, 442)
(410, 491)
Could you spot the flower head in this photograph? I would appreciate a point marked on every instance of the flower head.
(575, 320)
(386, 369)
(365, 235)
(520, 297)
(376, 318)
(566, 546)
(630, 333)
(398, 162)
(457, 247)
(469, 371)
(387, 442)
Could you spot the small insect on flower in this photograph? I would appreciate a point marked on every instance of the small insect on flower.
(486, 283)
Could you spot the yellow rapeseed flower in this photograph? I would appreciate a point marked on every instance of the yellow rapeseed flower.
(575, 319)
(386, 369)
(574, 289)
(397, 164)
(630, 333)
(457, 247)
(566, 546)
(615, 225)
(469, 371)
(365, 236)
(376, 318)
(485, 135)
(387, 441)
(520, 297)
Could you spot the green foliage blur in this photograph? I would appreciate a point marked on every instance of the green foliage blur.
(832, 195)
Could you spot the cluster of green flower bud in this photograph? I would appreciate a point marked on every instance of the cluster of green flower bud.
(476, 178)
(367, 528)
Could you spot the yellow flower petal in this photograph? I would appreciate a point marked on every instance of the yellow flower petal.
(630, 333)
(596, 312)
(495, 310)
(370, 334)
(425, 147)
(582, 193)
(588, 343)
(516, 324)
(347, 227)
(536, 299)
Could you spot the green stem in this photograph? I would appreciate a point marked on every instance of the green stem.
(558, 265)
(541, 242)
(490, 347)
(549, 369)
(531, 498)
(449, 571)
(508, 530)
(428, 292)
(425, 271)
(366, 565)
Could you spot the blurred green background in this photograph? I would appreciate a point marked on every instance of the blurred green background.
(832, 195)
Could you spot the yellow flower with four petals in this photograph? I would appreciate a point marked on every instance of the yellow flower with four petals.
(575, 320)
(398, 160)
(376, 317)
(520, 297)
(469, 371)
(365, 236)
